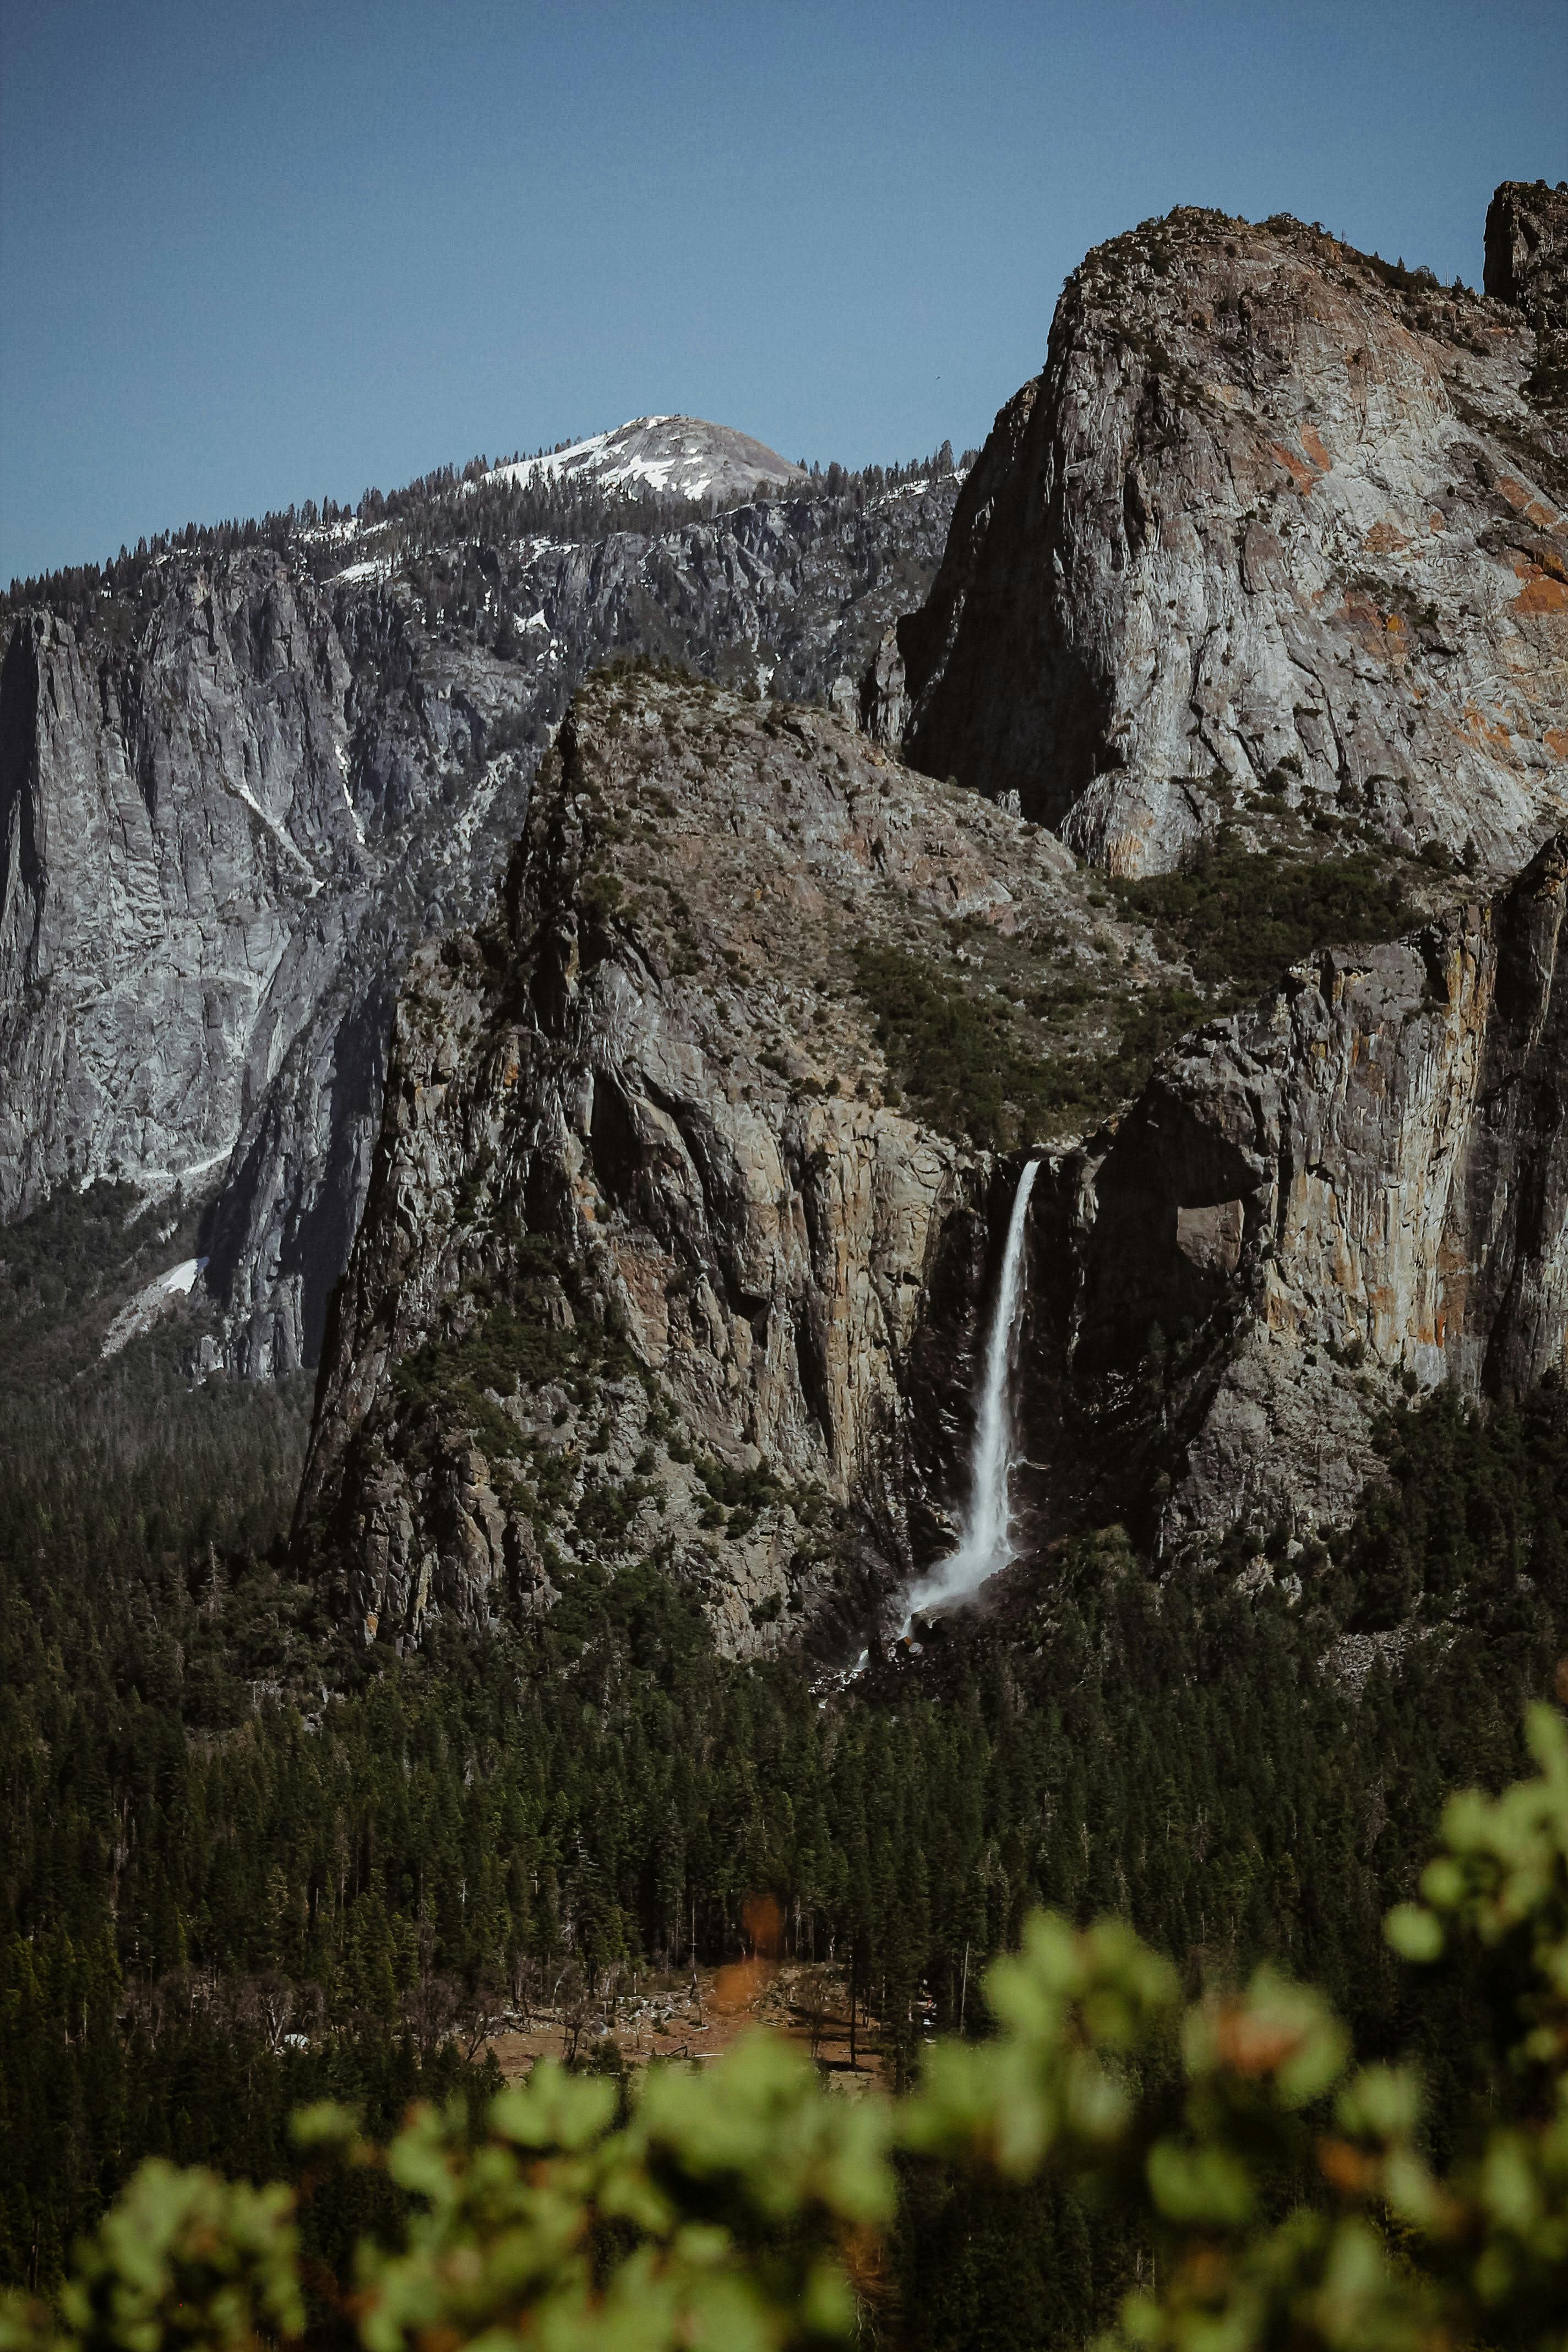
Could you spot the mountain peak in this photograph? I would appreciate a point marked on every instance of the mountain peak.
(675, 456)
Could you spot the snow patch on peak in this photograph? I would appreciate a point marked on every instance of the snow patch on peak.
(673, 457)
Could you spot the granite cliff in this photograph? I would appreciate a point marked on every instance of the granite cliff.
(658, 1259)
(1527, 251)
(1279, 528)
(216, 846)
(677, 1217)
(238, 785)
(679, 1247)
(1357, 1190)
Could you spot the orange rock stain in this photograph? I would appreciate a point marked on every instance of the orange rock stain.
(1541, 595)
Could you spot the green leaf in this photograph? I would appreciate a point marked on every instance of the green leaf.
(1414, 1932)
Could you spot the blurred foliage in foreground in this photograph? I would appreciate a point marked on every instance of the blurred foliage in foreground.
(1283, 2193)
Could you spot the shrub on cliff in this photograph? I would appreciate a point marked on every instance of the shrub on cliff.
(958, 1058)
(1240, 918)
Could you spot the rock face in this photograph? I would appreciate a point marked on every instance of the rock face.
(657, 1266)
(213, 853)
(1366, 1179)
(231, 801)
(1527, 267)
(1278, 527)
(1527, 250)
(654, 1264)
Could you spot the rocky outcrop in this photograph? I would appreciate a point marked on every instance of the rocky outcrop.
(681, 456)
(232, 801)
(1527, 250)
(656, 1264)
(1279, 530)
(1527, 267)
(1364, 1182)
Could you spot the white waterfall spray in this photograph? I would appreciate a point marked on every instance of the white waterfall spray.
(986, 1546)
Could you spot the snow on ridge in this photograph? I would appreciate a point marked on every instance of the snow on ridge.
(331, 534)
(155, 1184)
(369, 567)
(577, 456)
(920, 485)
(681, 456)
(145, 1309)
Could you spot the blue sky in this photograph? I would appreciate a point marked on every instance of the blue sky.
(252, 255)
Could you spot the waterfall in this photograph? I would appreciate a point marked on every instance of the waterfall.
(985, 1546)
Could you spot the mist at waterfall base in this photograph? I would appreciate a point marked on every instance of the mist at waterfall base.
(986, 1543)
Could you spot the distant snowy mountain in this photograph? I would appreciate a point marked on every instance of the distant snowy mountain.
(677, 457)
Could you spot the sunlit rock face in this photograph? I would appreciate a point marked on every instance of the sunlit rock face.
(1527, 250)
(1278, 530)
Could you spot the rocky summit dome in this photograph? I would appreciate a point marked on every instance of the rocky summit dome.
(674, 457)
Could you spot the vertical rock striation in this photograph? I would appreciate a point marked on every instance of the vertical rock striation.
(229, 812)
(1279, 528)
(1363, 1182)
(214, 849)
(1527, 250)
(654, 1264)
